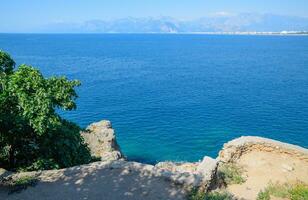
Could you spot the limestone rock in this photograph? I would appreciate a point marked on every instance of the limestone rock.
(101, 140)
(234, 149)
(177, 166)
(189, 174)
(207, 168)
(287, 168)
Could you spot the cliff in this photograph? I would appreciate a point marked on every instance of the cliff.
(102, 142)
(263, 160)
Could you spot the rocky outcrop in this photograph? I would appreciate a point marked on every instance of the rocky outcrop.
(207, 168)
(178, 167)
(111, 180)
(234, 149)
(262, 162)
(101, 140)
(4, 173)
(145, 181)
(198, 174)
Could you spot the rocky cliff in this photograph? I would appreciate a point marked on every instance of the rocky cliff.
(113, 177)
(102, 142)
(235, 149)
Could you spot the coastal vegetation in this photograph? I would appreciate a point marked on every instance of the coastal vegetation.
(33, 135)
(297, 191)
(227, 174)
(196, 194)
(20, 183)
(230, 173)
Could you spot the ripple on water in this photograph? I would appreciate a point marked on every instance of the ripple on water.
(179, 97)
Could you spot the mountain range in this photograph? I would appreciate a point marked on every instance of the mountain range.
(223, 22)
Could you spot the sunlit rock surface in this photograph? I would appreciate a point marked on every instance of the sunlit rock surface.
(102, 142)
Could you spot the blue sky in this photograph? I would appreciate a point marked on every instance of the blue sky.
(21, 14)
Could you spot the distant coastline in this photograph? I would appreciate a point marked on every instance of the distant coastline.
(251, 33)
(282, 33)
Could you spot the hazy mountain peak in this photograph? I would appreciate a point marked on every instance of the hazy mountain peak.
(217, 22)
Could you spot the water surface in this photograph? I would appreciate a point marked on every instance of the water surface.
(179, 97)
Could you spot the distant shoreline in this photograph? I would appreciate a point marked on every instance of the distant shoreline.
(287, 33)
(283, 33)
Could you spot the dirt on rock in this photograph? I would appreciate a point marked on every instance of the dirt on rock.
(101, 180)
(264, 165)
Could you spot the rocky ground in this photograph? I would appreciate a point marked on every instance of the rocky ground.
(110, 180)
(262, 160)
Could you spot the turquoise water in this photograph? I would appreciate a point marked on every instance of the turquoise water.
(179, 97)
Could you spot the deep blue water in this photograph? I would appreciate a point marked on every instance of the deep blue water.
(179, 97)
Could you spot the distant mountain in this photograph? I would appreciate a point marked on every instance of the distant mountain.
(245, 22)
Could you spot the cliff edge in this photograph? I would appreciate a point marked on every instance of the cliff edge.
(262, 160)
(101, 140)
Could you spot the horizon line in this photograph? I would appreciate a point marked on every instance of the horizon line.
(302, 32)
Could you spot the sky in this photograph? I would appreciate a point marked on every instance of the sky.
(26, 14)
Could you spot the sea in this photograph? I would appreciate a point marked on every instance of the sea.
(178, 97)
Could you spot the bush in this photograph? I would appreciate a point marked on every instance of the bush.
(41, 164)
(218, 196)
(32, 135)
(197, 194)
(263, 195)
(24, 181)
(231, 174)
(19, 183)
(298, 191)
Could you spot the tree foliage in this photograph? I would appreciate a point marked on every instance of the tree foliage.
(32, 134)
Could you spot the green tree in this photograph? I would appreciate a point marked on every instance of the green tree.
(7, 64)
(32, 134)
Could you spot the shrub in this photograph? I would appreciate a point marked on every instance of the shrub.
(41, 164)
(197, 194)
(298, 191)
(218, 196)
(231, 174)
(263, 195)
(278, 190)
(24, 180)
(20, 183)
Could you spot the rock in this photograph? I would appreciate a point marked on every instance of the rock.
(101, 140)
(3, 174)
(234, 149)
(189, 174)
(183, 173)
(287, 168)
(207, 168)
(182, 178)
(177, 166)
(2, 171)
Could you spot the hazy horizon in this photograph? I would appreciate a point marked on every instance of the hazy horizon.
(77, 16)
(243, 22)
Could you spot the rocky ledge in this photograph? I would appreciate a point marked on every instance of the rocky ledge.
(264, 163)
(165, 180)
(236, 148)
(102, 142)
